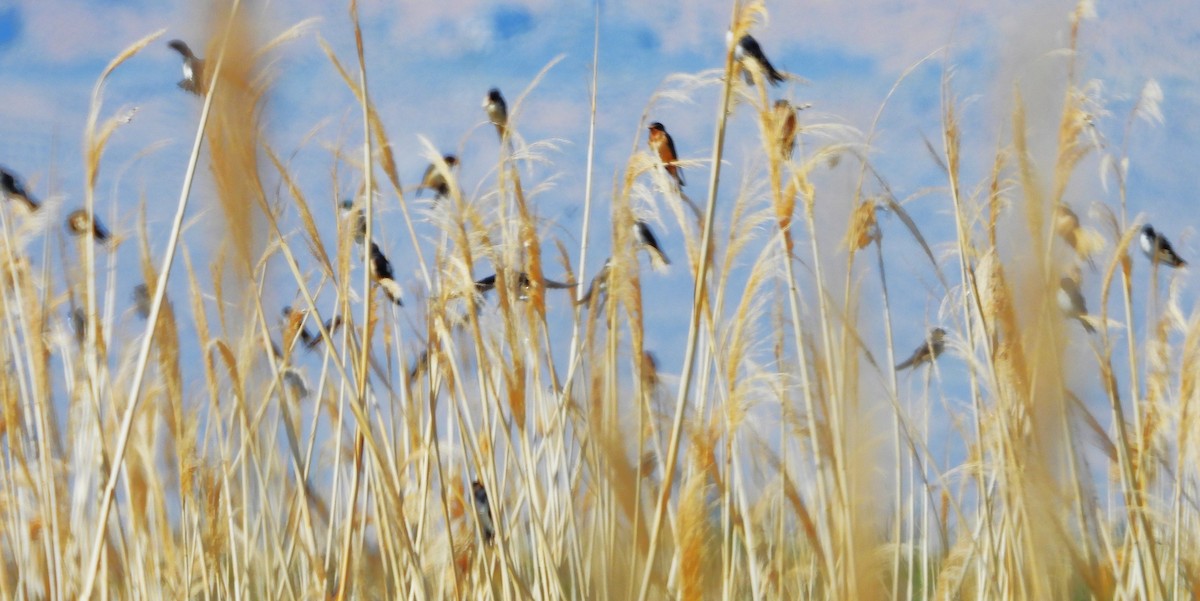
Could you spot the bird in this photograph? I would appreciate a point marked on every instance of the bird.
(785, 121)
(141, 300)
(79, 222)
(307, 337)
(662, 144)
(381, 272)
(1158, 249)
(1072, 304)
(435, 179)
(483, 511)
(293, 379)
(359, 216)
(928, 351)
(747, 50)
(497, 110)
(488, 283)
(646, 239)
(11, 188)
(599, 283)
(193, 68)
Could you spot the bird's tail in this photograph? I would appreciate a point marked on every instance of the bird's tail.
(658, 259)
(1086, 322)
(907, 363)
(392, 290)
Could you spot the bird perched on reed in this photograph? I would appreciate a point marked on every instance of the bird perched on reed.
(929, 350)
(524, 284)
(785, 122)
(435, 178)
(664, 146)
(749, 55)
(1158, 249)
(381, 273)
(1071, 302)
(193, 68)
(497, 111)
(79, 223)
(11, 188)
(645, 238)
(483, 511)
(356, 218)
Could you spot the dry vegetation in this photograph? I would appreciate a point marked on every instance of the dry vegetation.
(783, 463)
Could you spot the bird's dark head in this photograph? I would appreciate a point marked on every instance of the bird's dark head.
(451, 160)
(1147, 230)
(287, 311)
(656, 126)
(938, 334)
(347, 204)
(493, 95)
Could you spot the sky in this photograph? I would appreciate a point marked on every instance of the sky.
(430, 63)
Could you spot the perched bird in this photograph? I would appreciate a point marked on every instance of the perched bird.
(598, 285)
(307, 337)
(79, 222)
(11, 188)
(435, 179)
(193, 68)
(1158, 249)
(381, 272)
(1072, 303)
(357, 218)
(497, 110)
(488, 283)
(927, 352)
(747, 53)
(141, 300)
(646, 238)
(483, 511)
(785, 121)
(662, 144)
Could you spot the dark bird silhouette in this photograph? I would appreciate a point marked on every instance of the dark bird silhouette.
(1158, 249)
(927, 352)
(381, 273)
(435, 179)
(11, 188)
(646, 239)
(488, 283)
(664, 146)
(497, 111)
(483, 511)
(1072, 304)
(193, 68)
(785, 120)
(79, 223)
(747, 53)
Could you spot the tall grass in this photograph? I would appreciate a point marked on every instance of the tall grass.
(787, 459)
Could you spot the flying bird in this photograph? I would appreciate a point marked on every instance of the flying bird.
(483, 511)
(1158, 249)
(748, 52)
(497, 111)
(928, 351)
(11, 188)
(435, 179)
(193, 68)
(381, 272)
(785, 121)
(79, 223)
(524, 284)
(1072, 304)
(662, 144)
(646, 239)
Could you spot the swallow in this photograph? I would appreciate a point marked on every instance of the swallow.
(1158, 249)
(662, 144)
(645, 237)
(483, 511)
(11, 188)
(381, 272)
(785, 121)
(748, 52)
(497, 111)
(598, 285)
(357, 218)
(435, 179)
(141, 300)
(79, 223)
(1072, 304)
(927, 352)
(488, 283)
(193, 68)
